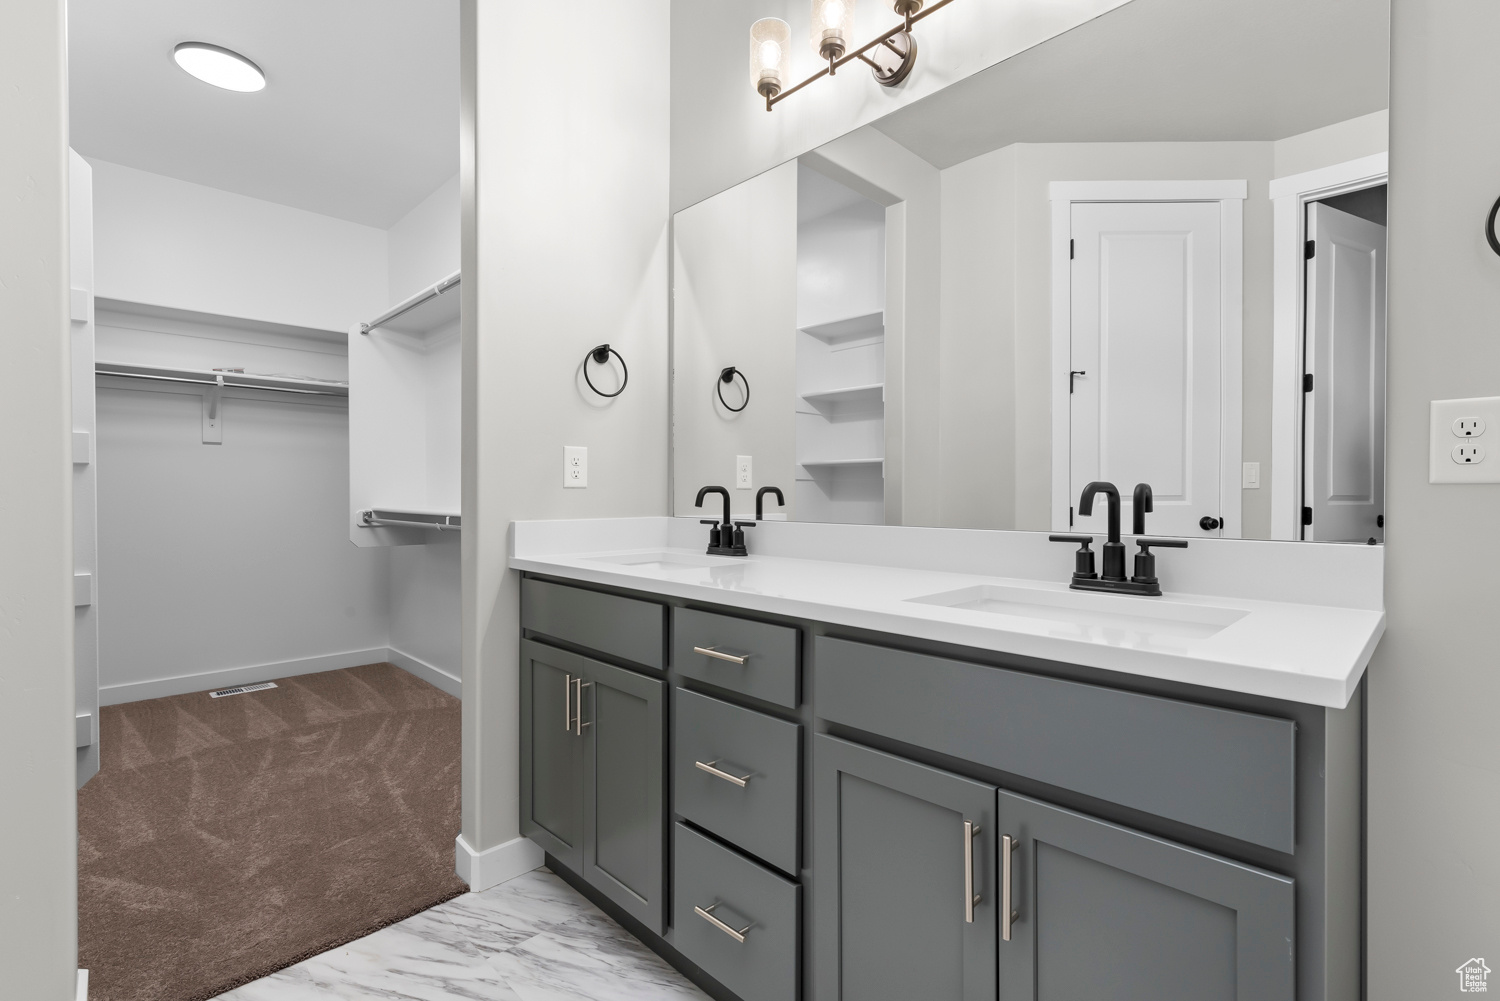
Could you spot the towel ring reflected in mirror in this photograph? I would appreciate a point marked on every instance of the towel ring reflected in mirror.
(1489, 227)
(600, 355)
(727, 376)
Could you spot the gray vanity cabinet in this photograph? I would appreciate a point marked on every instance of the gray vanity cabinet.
(1104, 911)
(905, 899)
(593, 795)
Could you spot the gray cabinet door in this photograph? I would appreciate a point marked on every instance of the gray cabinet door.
(551, 755)
(892, 883)
(1104, 911)
(624, 778)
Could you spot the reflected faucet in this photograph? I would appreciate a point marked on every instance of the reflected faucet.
(1139, 508)
(760, 497)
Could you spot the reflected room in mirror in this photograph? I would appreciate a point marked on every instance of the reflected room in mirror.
(1170, 270)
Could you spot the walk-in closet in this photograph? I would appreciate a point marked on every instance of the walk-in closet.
(265, 276)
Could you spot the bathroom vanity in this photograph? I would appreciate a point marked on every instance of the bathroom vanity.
(937, 773)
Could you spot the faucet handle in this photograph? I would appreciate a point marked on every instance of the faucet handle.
(714, 538)
(1145, 560)
(1083, 560)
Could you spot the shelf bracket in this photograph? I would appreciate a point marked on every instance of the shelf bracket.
(213, 420)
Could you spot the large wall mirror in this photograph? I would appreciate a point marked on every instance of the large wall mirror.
(1149, 250)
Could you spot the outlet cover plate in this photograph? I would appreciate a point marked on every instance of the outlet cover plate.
(742, 472)
(575, 467)
(1443, 437)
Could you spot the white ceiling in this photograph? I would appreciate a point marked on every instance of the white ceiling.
(358, 120)
(1167, 70)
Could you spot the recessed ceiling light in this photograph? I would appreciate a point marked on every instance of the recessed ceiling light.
(219, 66)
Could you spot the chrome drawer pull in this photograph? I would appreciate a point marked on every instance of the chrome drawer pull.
(970, 897)
(709, 651)
(707, 914)
(708, 766)
(1008, 917)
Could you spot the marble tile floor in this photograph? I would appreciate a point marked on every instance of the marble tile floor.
(531, 939)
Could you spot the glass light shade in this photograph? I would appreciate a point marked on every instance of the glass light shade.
(770, 60)
(219, 66)
(832, 27)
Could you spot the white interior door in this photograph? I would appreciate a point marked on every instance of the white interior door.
(1344, 436)
(1146, 347)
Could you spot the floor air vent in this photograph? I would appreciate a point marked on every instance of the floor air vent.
(241, 689)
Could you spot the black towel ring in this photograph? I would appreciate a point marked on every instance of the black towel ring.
(1489, 227)
(727, 376)
(600, 355)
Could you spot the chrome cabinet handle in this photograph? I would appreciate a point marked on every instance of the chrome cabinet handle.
(709, 651)
(707, 914)
(1008, 845)
(567, 703)
(708, 766)
(971, 898)
(576, 723)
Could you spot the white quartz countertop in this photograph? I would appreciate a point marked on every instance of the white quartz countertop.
(1293, 650)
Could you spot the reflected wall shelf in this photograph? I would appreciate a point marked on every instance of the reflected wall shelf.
(839, 463)
(847, 328)
(833, 401)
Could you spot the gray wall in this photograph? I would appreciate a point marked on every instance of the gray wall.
(38, 813)
(1434, 744)
(569, 249)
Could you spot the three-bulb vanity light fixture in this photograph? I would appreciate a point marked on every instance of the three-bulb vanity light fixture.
(890, 56)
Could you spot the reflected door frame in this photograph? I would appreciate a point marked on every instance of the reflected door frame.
(1230, 195)
(1290, 197)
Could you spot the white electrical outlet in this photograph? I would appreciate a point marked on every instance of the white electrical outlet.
(1466, 454)
(575, 466)
(1458, 436)
(1250, 479)
(742, 472)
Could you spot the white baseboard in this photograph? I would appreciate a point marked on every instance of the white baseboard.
(493, 866)
(83, 985)
(136, 691)
(434, 676)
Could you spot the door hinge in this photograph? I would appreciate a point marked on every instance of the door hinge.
(1070, 517)
(1310, 250)
(1307, 516)
(1307, 382)
(1070, 250)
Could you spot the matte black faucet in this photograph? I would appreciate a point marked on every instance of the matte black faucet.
(1113, 578)
(760, 497)
(727, 539)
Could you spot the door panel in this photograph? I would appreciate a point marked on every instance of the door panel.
(1106, 911)
(1147, 340)
(1345, 432)
(624, 731)
(552, 755)
(891, 845)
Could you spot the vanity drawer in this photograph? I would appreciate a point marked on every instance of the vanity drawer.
(762, 815)
(1230, 772)
(755, 658)
(752, 901)
(621, 627)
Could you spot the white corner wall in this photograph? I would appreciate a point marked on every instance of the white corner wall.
(38, 805)
(1433, 746)
(167, 242)
(569, 249)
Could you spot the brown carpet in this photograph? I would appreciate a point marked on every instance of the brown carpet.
(225, 839)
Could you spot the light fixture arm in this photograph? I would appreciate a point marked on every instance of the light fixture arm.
(904, 28)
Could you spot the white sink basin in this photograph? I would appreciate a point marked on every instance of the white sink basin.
(665, 562)
(1117, 614)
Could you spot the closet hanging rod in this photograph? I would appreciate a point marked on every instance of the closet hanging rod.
(229, 380)
(375, 518)
(410, 304)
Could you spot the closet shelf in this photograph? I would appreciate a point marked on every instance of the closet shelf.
(225, 379)
(847, 328)
(393, 518)
(848, 397)
(429, 310)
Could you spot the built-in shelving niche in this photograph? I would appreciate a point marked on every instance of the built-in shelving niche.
(404, 430)
(840, 417)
